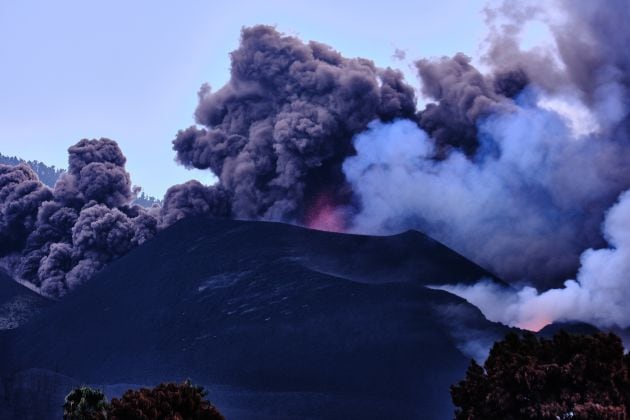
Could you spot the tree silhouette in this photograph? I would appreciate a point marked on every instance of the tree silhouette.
(567, 377)
(85, 403)
(167, 401)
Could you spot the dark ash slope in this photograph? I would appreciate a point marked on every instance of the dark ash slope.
(278, 321)
(17, 303)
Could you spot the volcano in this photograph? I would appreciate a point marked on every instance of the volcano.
(276, 321)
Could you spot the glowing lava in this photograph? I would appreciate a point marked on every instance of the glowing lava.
(535, 324)
(324, 215)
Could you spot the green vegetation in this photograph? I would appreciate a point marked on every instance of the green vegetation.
(147, 201)
(165, 401)
(85, 403)
(567, 377)
(47, 174)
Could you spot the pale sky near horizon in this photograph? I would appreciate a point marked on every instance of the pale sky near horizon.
(130, 70)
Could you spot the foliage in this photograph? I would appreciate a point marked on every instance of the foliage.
(567, 377)
(47, 174)
(85, 403)
(166, 401)
(147, 201)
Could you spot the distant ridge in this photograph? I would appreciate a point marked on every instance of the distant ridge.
(47, 174)
(50, 174)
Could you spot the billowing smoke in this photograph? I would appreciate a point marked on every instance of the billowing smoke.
(598, 295)
(21, 194)
(515, 169)
(537, 189)
(277, 133)
(57, 239)
(191, 199)
(589, 58)
(513, 173)
(526, 206)
(463, 96)
(531, 164)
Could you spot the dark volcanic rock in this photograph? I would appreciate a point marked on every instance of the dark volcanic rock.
(277, 321)
(17, 303)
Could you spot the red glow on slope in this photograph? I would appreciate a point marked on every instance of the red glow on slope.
(324, 215)
(535, 324)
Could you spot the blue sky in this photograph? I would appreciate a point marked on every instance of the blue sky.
(130, 70)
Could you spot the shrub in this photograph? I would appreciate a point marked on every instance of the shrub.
(165, 401)
(85, 403)
(567, 377)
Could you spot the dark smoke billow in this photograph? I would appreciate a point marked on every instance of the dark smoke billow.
(21, 194)
(277, 133)
(57, 239)
(191, 199)
(496, 182)
(462, 96)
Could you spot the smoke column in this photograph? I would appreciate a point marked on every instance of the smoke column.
(277, 133)
(57, 239)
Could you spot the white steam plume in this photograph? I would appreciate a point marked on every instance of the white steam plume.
(599, 294)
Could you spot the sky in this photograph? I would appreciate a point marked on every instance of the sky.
(130, 70)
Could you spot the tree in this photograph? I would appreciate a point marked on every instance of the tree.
(567, 377)
(166, 401)
(85, 403)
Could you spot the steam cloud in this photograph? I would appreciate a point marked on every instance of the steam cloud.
(515, 169)
(598, 295)
(540, 149)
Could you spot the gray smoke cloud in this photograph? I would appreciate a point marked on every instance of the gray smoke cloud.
(193, 199)
(96, 172)
(549, 158)
(277, 133)
(462, 96)
(21, 194)
(526, 210)
(589, 56)
(57, 239)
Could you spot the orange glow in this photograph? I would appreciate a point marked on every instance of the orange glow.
(323, 215)
(535, 324)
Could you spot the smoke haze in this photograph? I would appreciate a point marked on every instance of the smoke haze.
(598, 295)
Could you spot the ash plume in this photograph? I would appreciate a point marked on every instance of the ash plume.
(588, 59)
(462, 96)
(21, 194)
(192, 199)
(57, 239)
(277, 133)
